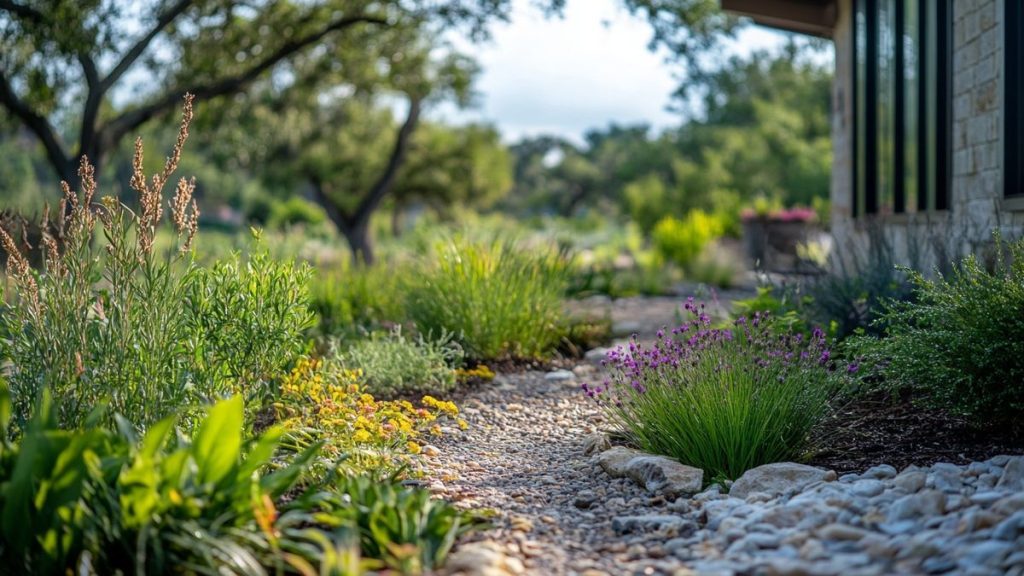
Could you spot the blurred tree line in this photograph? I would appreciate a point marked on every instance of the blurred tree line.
(320, 109)
(763, 132)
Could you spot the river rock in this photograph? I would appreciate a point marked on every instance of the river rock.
(778, 479)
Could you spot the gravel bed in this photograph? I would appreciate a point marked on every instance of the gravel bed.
(557, 512)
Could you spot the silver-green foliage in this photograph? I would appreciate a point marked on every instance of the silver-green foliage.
(394, 364)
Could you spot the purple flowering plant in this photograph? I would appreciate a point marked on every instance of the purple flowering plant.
(723, 399)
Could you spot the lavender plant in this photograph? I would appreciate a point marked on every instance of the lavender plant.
(721, 399)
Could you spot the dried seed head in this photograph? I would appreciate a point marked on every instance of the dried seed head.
(53, 263)
(20, 269)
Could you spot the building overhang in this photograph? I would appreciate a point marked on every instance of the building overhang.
(812, 17)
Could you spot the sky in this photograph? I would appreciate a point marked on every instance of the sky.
(588, 68)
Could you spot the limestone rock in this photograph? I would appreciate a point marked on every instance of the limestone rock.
(778, 479)
(485, 558)
(652, 472)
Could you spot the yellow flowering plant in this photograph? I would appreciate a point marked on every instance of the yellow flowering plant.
(320, 401)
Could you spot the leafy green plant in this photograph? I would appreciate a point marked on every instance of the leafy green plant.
(849, 296)
(723, 400)
(785, 304)
(681, 241)
(497, 299)
(392, 364)
(959, 340)
(113, 320)
(112, 502)
(248, 319)
(407, 528)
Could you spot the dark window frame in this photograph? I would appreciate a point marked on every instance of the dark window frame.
(939, 120)
(1013, 127)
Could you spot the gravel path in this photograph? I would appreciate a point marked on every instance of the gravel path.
(523, 456)
(556, 512)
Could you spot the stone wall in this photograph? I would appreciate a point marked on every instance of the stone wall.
(976, 202)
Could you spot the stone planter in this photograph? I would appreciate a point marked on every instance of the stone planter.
(772, 244)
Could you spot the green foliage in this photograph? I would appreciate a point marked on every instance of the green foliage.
(723, 400)
(107, 502)
(784, 304)
(498, 299)
(959, 341)
(716, 266)
(682, 241)
(295, 211)
(141, 505)
(409, 529)
(248, 318)
(394, 365)
(354, 300)
(849, 297)
(117, 322)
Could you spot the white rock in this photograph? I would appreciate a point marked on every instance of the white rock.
(559, 376)
(880, 472)
(665, 474)
(652, 472)
(1013, 475)
(926, 503)
(778, 479)
(483, 559)
(910, 480)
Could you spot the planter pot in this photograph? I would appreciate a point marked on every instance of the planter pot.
(772, 244)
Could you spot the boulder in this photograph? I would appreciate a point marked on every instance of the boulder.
(778, 479)
(655, 473)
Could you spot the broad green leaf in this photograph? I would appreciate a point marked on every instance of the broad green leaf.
(218, 442)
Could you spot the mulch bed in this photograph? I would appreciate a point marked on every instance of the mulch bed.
(884, 429)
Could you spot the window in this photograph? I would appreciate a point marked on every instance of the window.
(1013, 140)
(901, 106)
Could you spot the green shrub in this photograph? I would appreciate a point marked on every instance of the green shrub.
(785, 304)
(295, 211)
(393, 364)
(498, 299)
(682, 241)
(723, 400)
(248, 319)
(960, 340)
(97, 501)
(352, 301)
(113, 320)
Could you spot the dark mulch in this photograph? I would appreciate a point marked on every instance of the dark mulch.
(884, 429)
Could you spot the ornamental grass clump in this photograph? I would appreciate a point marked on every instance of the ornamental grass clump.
(721, 399)
(499, 300)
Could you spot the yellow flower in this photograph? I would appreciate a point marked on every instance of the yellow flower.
(413, 447)
(361, 436)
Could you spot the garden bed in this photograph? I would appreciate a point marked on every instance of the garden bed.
(884, 429)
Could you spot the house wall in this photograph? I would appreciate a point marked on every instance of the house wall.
(930, 240)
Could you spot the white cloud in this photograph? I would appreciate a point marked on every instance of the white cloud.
(584, 70)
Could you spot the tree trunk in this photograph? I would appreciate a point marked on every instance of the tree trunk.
(358, 238)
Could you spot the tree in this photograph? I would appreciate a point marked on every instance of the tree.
(62, 60)
(332, 129)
